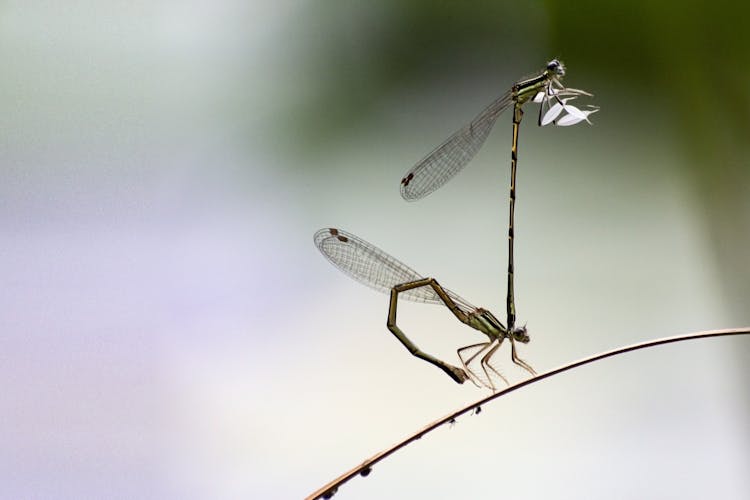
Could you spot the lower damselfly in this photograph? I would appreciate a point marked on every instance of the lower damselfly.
(445, 161)
(373, 267)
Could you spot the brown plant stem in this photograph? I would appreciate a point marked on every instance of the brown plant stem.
(365, 467)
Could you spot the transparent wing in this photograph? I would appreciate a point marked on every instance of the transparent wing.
(451, 156)
(371, 266)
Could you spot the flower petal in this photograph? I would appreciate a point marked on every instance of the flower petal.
(572, 110)
(568, 120)
(561, 113)
(573, 118)
(553, 113)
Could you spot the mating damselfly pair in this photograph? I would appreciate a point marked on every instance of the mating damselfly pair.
(375, 268)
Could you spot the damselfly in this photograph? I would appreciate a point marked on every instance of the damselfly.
(371, 266)
(454, 153)
(446, 160)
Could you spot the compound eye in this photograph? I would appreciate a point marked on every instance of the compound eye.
(556, 67)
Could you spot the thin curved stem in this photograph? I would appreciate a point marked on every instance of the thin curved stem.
(365, 467)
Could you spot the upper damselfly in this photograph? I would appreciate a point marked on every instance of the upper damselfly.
(446, 160)
(454, 153)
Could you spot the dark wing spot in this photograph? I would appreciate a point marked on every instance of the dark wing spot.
(335, 233)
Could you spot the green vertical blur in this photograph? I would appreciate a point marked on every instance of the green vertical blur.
(692, 60)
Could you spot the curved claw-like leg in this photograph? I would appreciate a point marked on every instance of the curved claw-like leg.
(486, 364)
(523, 364)
(465, 363)
(480, 351)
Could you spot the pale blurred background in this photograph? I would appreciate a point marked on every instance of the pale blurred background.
(168, 329)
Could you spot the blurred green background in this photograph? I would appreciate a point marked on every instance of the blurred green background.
(168, 329)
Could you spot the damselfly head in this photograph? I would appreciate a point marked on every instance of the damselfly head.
(520, 334)
(556, 68)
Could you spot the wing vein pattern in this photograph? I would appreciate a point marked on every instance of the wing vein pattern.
(373, 267)
(446, 160)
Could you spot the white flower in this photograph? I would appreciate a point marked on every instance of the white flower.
(561, 113)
